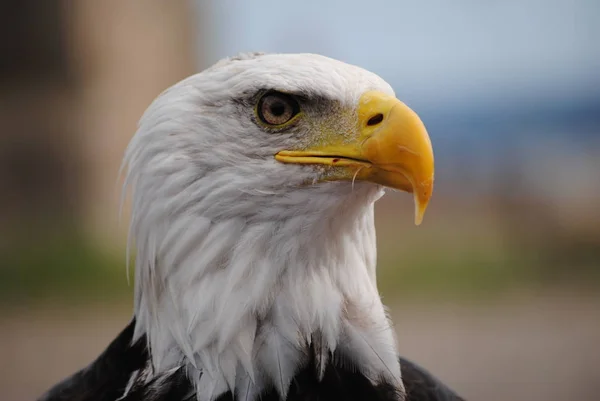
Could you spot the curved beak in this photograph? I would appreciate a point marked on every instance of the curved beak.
(391, 147)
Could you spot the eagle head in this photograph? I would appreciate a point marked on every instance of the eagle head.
(253, 185)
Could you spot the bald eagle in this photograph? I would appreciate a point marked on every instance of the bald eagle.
(253, 186)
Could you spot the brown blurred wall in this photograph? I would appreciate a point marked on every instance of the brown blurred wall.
(128, 52)
(75, 78)
(39, 177)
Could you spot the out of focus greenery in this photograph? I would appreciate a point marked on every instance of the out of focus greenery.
(478, 273)
(70, 267)
(62, 268)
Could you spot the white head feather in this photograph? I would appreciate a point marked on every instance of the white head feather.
(239, 265)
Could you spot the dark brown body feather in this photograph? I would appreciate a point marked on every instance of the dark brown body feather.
(107, 378)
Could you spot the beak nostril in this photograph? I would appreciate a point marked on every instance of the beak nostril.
(376, 119)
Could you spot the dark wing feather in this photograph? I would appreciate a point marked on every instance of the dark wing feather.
(104, 379)
(125, 364)
(174, 386)
(122, 366)
(421, 385)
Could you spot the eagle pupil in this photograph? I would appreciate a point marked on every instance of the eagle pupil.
(278, 109)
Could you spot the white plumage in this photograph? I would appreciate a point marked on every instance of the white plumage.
(253, 187)
(240, 264)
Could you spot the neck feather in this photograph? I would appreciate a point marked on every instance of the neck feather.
(240, 303)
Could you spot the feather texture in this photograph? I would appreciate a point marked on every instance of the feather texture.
(254, 279)
(239, 264)
(123, 372)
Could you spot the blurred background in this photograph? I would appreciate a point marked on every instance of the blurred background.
(497, 293)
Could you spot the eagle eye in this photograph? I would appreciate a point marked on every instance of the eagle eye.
(276, 108)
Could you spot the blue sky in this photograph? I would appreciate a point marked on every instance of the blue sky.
(490, 77)
(431, 51)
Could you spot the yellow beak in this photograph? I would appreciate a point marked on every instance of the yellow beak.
(391, 147)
